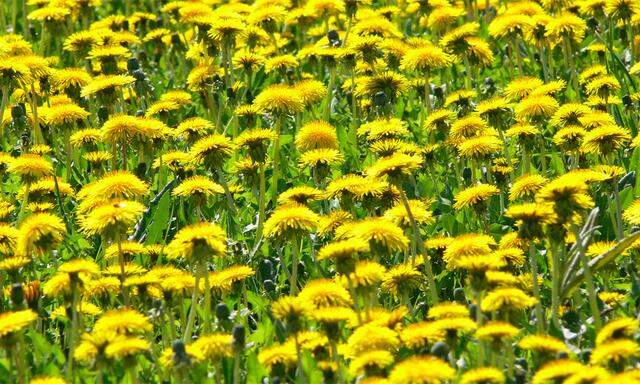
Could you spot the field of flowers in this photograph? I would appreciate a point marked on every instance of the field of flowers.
(327, 191)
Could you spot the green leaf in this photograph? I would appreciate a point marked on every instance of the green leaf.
(310, 368)
(44, 350)
(159, 220)
(255, 370)
(264, 333)
(557, 164)
(599, 262)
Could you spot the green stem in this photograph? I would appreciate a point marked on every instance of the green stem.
(14, 16)
(433, 291)
(533, 260)
(276, 163)
(526, 162)
(3, 105)
(336, 360)
(230, 203)
(555, 284)
(133, 374)
(516, 52)
(505, 145)
(299, 371)
(618, 205)
(591, 290)
(192, 312)
(632, 48)
(207, 296)
(346, 34)
(354, 103)
(74, 328)
(479, 321)
(37, 134)
(68, 155)
(25, 202)
(172, 320)
(356, 302)
(543, 63)
(427, 93)
(295, 255)
(510, 356)
(25, 25)
(123, 289)
(543, 156)
(332, 81)
(20, 359)
(467, 77)
(44, 40)
(261, 204)
(236, 368)
(572, 67)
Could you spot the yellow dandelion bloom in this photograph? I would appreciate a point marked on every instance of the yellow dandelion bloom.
(197, 241)
(421, 370)
(14, 321)
(474, 195)
(39, 233)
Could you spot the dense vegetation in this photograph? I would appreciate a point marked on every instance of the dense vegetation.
(337, 191)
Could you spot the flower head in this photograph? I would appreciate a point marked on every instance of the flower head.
(279, 100)
(421, 370)
(605, 140)
(485, 375)
(198, 241)
(112, 218)
(425, 59)
(39, 234)
(506, 298)
(14, 321)
(394, 166)
(290, 220)
(212, 150)
(381, 234)
(315, 135)
(472, 196)
(30, 167)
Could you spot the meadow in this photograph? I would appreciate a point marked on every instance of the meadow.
(319, 191)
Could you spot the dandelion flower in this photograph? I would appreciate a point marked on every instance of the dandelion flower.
(39, 233)
(316, 135)
(123, 321)
(472, 196)
(198, 241)
(112, 218)
(614, 351)
(381, 234)
(605, 140)
(279, 100)
(542, 343)
(484, 375)
(197, 186)
(421, 370)
(30, 167)
(511, 298)
(289, 220)
(14, 321)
